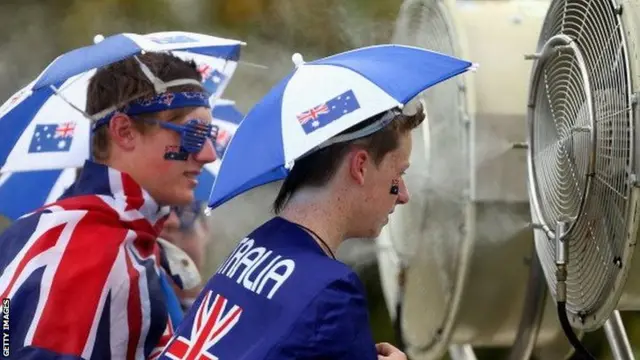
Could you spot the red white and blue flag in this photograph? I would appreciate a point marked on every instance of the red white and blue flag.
(213, 320)
(323, 114)
(82, 274)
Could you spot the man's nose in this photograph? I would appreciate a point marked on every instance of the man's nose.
(403, 193)
(207, 154)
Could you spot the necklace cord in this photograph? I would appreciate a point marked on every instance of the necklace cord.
(319, 238)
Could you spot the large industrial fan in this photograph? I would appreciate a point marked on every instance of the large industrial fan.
(457, 262)
(583, 161)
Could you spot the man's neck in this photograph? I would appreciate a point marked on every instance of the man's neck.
(319, 212)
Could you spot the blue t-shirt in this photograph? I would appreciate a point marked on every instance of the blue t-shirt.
(277, 296)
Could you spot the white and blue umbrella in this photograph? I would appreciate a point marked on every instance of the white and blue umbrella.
(227, 117)
(43, 126)
(320, 99)
(25, 191)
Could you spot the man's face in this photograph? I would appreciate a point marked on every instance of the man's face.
(170, 182)
(379, 201)
(189, 232)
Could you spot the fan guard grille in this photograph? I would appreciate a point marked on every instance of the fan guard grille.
(580, 147)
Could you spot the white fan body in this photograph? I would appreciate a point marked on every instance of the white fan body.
(464, 237)
(604, 230)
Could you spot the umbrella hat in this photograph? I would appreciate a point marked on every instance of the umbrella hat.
(319, 100)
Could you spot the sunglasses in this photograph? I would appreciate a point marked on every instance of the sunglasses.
(193, 134)
(187, 215)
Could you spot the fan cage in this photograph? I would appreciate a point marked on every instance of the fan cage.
(561, 49)
(581, 150)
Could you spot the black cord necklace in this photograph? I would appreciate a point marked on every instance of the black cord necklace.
(319, 238)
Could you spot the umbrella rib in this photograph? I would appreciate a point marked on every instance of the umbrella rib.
(58, 93)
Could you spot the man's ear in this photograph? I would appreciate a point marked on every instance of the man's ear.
(358, 165)
(123, 132)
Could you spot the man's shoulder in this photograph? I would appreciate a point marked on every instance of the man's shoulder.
(78, 212)
(331, 274)
(60, 232)
(47, 221)
(329, 323)
(344, 289)
(341, 292)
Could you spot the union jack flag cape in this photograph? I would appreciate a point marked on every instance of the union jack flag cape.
(82, 274)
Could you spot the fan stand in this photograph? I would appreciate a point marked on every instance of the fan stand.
(617, 337)
(462, 352)
(613, 328)
(530, 319)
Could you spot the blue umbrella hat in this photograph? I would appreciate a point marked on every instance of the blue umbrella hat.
(321, 99)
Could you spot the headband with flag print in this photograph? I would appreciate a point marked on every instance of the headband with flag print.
(157, 103)
(162, 101)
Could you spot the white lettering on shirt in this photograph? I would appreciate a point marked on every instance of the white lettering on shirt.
(256, 268)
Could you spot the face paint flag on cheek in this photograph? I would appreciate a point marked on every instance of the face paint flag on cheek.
(395, 187)
(174, 153)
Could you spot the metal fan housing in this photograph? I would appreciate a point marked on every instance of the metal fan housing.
(581, 153)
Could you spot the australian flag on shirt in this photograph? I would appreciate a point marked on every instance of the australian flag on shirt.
(322, 115)
(277, 296)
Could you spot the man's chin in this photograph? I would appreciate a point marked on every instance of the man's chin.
(374, 233)
(184, 198)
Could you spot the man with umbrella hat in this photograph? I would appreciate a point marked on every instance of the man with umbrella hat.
(335, 129)
(312, 306)
(80, 276)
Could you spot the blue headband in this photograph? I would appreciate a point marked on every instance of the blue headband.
(157, 103)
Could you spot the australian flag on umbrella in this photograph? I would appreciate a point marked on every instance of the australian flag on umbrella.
(328, 112)
(222, 141)
(172, 39)
(212, 78)
(52, 138)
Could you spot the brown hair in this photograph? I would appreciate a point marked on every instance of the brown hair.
(122, 82)
(317, 168)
